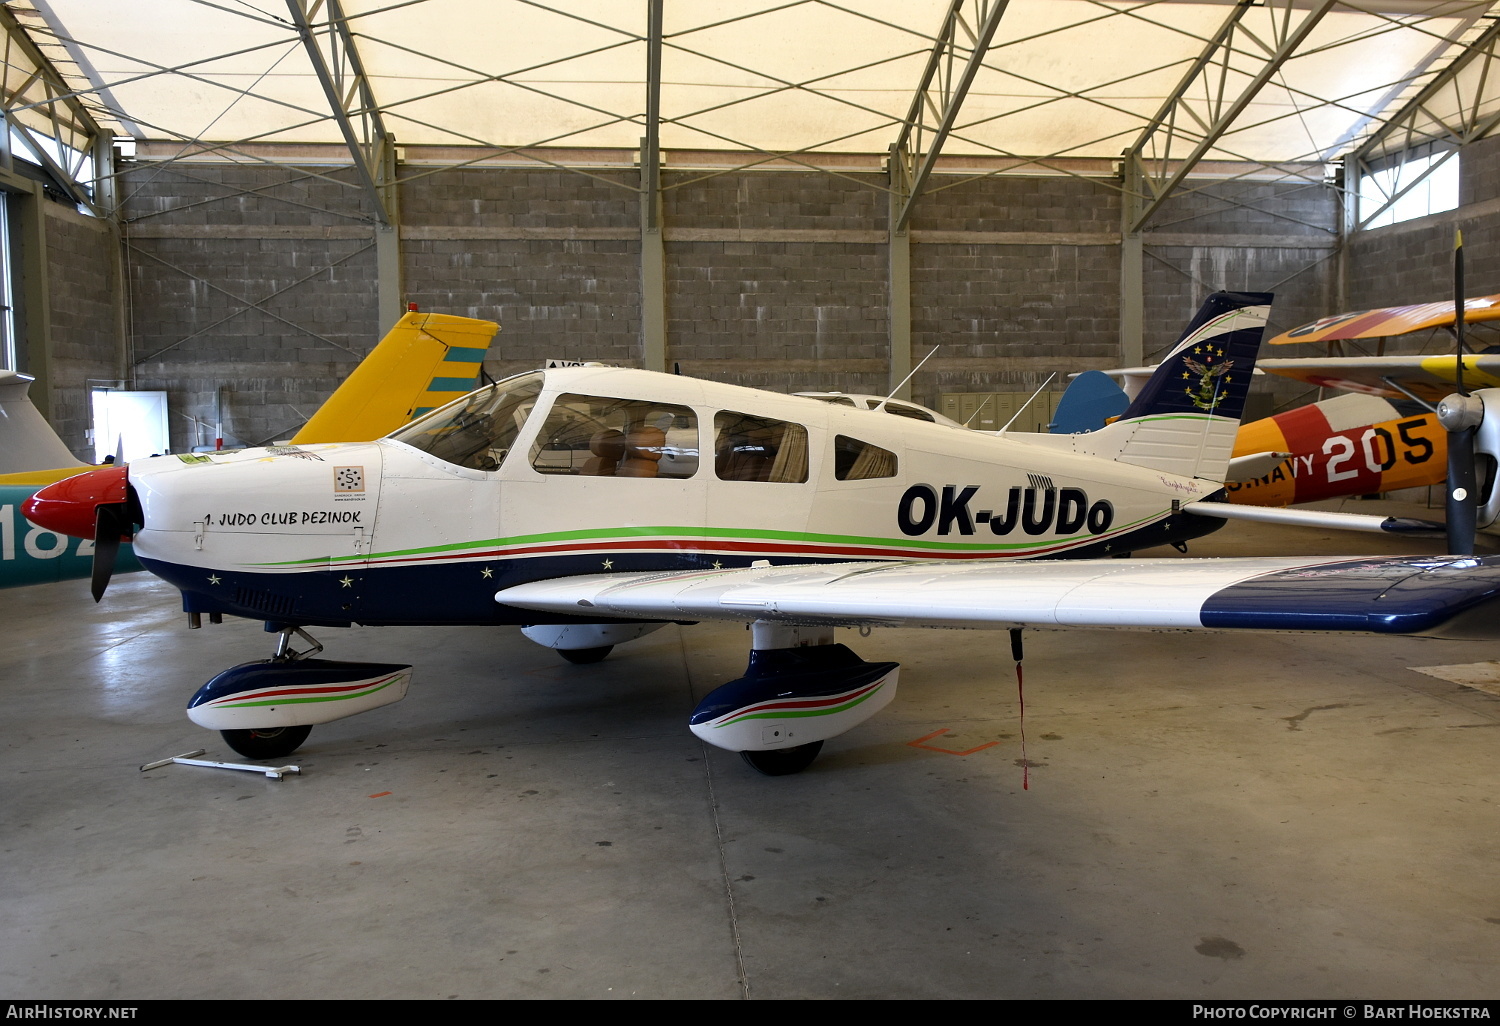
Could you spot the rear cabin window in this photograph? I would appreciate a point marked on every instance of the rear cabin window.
(854, 460)
(595, 436)
(750, 448)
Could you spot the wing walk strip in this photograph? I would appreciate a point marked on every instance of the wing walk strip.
(1441, 595)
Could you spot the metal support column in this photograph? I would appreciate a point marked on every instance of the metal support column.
(900, 303)
(390, 301)
(34, 325)
(653, 250)
(1132, 266)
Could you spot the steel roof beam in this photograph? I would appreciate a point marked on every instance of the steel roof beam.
(78, 131)
(941, 93)
(1455, 137)
(1211, 68)
(335, 60)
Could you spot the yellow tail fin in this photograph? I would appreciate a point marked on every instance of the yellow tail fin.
(426, 360)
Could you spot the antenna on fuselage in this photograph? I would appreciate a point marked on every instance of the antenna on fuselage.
(1027, 403)
(980, 410)
(905, 379)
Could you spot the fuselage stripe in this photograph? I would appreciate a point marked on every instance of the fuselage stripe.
(306, 694)
(800, 709)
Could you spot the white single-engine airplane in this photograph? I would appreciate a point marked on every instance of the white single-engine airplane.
(593, 504)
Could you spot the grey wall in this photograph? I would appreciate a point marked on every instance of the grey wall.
(1412, 262)
(79, 318)
(263, 280)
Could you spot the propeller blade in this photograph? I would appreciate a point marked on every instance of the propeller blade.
(111, 521)
(1463, 505)
(1460, 415)
(1458, 309)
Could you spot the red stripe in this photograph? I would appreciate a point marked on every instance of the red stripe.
(806, 704)
(305, 689)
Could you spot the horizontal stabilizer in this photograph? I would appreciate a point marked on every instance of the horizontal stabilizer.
(1318, 518)
(1248, 468)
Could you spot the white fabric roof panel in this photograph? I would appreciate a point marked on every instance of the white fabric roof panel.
(1062, 77)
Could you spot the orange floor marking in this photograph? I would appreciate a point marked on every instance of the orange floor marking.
(946, 751)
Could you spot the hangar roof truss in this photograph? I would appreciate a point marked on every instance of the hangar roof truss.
(905, 95)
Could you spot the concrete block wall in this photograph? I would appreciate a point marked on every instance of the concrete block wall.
(774, 279)
(524, 249)
(255, 280)
(1244, 236)
(83, 293)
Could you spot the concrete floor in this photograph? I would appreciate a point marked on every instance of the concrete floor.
(1209, 816)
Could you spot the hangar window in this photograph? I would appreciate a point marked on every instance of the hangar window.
(591, 436)
(478, 430)
(854, 460)
(1420, 185)
(750, 448)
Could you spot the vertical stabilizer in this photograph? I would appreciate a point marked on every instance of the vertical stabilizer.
(426, 360)
(27, 441)
(1184, 419)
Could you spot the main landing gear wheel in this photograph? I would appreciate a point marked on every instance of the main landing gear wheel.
(266, 742)
(781, 761)
(584, 656)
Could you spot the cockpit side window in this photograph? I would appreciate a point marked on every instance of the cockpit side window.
(748, 448)
(854, 460)
(478, 430)
(595, 436)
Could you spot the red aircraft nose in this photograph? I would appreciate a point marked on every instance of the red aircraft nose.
(70, 506)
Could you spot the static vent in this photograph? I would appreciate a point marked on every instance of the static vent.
(264, 601)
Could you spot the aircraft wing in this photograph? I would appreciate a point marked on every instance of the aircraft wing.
(1444, 596)
(1390, 320)
(1430, 377)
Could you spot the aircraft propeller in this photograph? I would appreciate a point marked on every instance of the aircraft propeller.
(97, 504)
(114, 522)
(1460, 414)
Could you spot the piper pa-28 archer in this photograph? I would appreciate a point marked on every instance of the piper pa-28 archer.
(593, 504)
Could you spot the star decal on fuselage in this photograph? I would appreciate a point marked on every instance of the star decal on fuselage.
(486, 573)
(214, 578)
(609, 564)
(347, 581)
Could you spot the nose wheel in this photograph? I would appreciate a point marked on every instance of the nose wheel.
(780, 762)
(266, 742)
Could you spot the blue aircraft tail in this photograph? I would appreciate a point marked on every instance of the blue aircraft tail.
(1208, 371)
(1184, 419)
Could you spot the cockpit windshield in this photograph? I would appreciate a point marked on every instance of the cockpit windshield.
(477, 431)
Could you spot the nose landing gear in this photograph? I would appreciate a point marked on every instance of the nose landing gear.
(266, 709)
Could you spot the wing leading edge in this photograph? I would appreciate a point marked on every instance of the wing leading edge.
(1440, 596)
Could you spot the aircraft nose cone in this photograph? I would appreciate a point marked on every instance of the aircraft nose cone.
(70, 506)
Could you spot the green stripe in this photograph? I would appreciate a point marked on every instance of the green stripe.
(800, 714)
(452, 384)
(463, 354)
(304, 701)
(707, 534)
